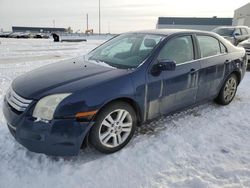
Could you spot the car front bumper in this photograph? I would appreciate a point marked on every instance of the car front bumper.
(60, 137)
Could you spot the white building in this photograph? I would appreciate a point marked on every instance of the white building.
(242, 16)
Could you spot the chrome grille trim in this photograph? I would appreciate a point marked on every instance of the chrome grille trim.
(17, 102)
(248, 51)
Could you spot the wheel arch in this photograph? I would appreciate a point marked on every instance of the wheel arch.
(129, 101)
(237, 74)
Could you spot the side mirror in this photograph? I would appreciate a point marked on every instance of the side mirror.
(163, 65)
(166, 65)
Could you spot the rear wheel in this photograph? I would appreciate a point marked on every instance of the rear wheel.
(228, 90)
(114, 127)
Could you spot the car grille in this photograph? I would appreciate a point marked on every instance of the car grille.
(16, 101)
(247, 51)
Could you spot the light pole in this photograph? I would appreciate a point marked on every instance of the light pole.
(54, 23)
(99, 17)
(109, 27)
(87, 22)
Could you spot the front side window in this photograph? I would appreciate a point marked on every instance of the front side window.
(125, 51)
(209, 46)
(179, 49)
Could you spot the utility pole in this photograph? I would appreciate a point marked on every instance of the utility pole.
(99, 17)
(87, 22)
(54, 23)
(109, 27)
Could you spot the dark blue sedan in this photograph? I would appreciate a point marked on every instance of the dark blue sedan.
(135, 77)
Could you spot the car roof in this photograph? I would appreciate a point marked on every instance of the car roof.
(167, 32)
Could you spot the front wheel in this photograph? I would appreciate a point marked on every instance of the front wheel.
(228, 90)
(114, 127)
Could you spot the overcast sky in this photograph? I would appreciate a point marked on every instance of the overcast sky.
(119, 16)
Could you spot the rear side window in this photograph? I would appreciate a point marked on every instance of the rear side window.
(244, 31)
(209, 46)
(179, 49)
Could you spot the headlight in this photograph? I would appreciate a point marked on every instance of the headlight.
(46, 106)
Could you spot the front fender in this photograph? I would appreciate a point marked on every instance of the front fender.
(96, 96)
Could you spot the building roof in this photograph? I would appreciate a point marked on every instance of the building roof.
(194, 21)
(38, 29)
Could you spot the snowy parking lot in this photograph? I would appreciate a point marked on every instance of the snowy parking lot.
(206, 146)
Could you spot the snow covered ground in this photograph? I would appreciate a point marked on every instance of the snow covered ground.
(207, 146)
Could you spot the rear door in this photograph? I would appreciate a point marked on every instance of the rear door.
(213, 59)
(179, 87)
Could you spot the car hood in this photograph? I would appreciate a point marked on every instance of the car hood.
(62, 77)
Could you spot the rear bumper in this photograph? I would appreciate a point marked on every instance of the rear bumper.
(61, 137)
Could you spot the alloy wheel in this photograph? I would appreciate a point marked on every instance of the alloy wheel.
(230, 89)
(115, 128)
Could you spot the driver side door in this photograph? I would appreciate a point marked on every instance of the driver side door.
(181, 85)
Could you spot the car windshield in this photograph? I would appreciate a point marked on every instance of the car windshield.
(125, 51)
(224, 31)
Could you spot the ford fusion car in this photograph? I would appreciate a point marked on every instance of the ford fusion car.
(133, 78)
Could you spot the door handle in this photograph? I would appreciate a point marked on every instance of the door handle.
(193, 71)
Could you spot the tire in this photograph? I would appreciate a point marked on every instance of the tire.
(104, 135)
(228, 90)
